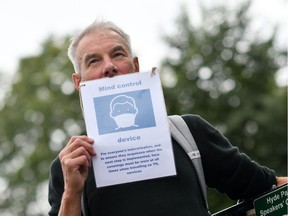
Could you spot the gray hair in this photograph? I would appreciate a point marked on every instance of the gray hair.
(96, 25)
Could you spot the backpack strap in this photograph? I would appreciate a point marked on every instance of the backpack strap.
(182, 134)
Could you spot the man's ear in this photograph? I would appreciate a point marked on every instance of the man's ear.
(76, 80)
(136, 64)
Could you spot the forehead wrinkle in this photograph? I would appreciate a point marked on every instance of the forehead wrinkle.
(89, 56)
(93, 39)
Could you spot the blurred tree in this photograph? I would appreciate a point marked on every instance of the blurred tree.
(38, 115)
(226, 74)
(217, 71)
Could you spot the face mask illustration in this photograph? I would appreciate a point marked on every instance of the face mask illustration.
(123, 110)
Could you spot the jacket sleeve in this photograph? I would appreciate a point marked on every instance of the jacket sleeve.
(225, 168)
(56, 187)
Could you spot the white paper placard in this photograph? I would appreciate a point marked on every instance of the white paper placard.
(127, 118)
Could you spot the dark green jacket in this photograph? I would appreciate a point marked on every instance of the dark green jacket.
(225, 169)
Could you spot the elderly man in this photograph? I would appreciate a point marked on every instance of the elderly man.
(103, 50)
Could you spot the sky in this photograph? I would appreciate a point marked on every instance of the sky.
(26, 24)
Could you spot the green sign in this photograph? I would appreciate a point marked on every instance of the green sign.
(274, 203)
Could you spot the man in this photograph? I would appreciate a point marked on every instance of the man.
(103, 50)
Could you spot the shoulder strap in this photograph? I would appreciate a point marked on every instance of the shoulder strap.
(181, 133)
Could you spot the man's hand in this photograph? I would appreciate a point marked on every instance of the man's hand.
(281, 181)
(75, 161)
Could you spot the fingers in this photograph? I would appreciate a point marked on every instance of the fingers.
(78, 165)
(75, 173)
(79, 142)
(75, 160)
(80, 153)
(78, 147)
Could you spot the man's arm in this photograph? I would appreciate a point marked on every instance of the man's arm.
(75, 161)
(70, 205)
(225, 167)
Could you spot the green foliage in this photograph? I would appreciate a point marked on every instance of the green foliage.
(40, 113)
(228, 77)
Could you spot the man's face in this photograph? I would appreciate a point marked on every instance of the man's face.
(103, 54)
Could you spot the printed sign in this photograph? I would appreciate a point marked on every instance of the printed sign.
(126, 116)
(274, 203)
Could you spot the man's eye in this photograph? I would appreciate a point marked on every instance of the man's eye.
(93, 61)
(118, 54)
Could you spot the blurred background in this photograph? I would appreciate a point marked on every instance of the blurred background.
(224, 60)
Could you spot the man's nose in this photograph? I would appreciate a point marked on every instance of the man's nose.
(110, 69)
